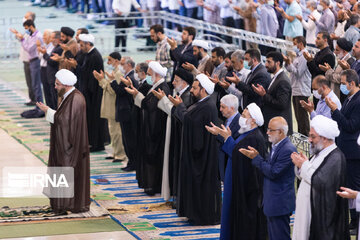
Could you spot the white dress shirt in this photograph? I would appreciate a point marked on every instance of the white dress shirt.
(124, 6)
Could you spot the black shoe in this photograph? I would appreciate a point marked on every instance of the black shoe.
(31, 103)
(128, 169)
(34, 113)
(118, 160)
(353, 232)
(109, 158)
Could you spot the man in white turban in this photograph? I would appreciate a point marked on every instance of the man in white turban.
(243, 182)
(199, 188)
(69, 145)
(153, 131)
(320, 213)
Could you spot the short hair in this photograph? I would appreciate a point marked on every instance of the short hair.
(191, 31)
(322, 81)
(284, 125)
(354, 19)
(48, 30)
(300, 39)
(157, 28)
(29, 23)
(254, 53)
(83, 30)
(312, 4)
(326, 35)
(351, 76)
(230, 101)
(239, 55)
(327, 2)
(129, 60)
(143, 67)
(229, 54)
(276, 56)
(220, 52)
(57, 34)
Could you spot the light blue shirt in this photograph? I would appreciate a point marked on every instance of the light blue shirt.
(268, 20)
(352, 34)
(230, 119)
(294, 28)
(323, 109)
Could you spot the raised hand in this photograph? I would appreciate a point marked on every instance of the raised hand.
(188, 66)
(259, 89)
(250, 152)
(298, 159)
(158, 94)
(214, 130)
(308, 106)
(42, 106)
(133, 91)
(99, 76)
(110, 76)
(176, 101)
(235, 79)
(347, 193)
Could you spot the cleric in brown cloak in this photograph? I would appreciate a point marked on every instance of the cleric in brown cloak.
(69, 146)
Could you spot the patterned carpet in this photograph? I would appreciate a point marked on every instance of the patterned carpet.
(143, 216)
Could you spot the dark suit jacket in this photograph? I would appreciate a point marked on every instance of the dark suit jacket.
(52, 66)
(124, 101)
(356, 66)
(234, 127)
(180, 58)
(279, 190)
(258, 76)
(323, 56)
(277, 101)
(348, 120)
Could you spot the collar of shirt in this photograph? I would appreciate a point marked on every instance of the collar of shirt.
(142, 81)
(244, 71)
(330, 95)
(230, 119)
(204, 98)
(157, 84)
(277, 144)
(91, 49)
(219, 66)
(323, 153)
(68, 92)
(163, 42)
(183, 90)
(274, 77)
(126, 74)
(34, 34)
(252, 70)
(204, 59)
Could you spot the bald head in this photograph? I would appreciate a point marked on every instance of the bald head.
(29, 16)
(47, 36)
(280, 123)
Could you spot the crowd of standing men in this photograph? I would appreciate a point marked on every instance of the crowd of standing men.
(188, 120)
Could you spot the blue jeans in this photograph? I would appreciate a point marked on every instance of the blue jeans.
(36, 79)
(83, 3)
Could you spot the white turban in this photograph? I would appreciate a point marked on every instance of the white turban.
(201, 43)
(206, 83)
(66, 77)
(325, 127)
(156, 67)
(255, 113)
(87, 38)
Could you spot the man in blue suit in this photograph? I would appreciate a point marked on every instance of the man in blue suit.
(348, 120)
(278, 170)
(229, 105)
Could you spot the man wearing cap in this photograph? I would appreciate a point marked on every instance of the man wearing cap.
(108, 106)
(320, 213)
(182, 81)
(69, 146)
(199, 188)
(200, 48)
(348, 119)
(153, 130)
(242, 216)
(343, 53)
(278, 171)
(97, 129)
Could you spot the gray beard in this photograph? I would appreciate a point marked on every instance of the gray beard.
(314, 150)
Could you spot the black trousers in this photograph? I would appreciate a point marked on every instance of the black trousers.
(129, 141)
(49, 98)
(121, 24)
(301, 115)
(279, 227)
(228, 22)
(353, 182)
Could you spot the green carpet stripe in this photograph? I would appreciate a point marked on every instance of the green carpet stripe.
(59, 228)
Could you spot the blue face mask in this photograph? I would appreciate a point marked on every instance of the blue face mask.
(148, 80)
(246, 65)
(28, 32)
(344, 89)
(296, 50)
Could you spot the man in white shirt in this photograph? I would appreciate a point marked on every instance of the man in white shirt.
(122, 8)
(320, 213)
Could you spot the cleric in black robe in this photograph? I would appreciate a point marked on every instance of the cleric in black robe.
(199, 188)
(69, 145)
(97, 127)
(320, 213)
(242, 215)
(138, 120)
(153, 130)
(182, 82)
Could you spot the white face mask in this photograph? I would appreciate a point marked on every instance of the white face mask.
(121, 68)
(320, 8)
(316, 94)
(136, 76)
(244, 126)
